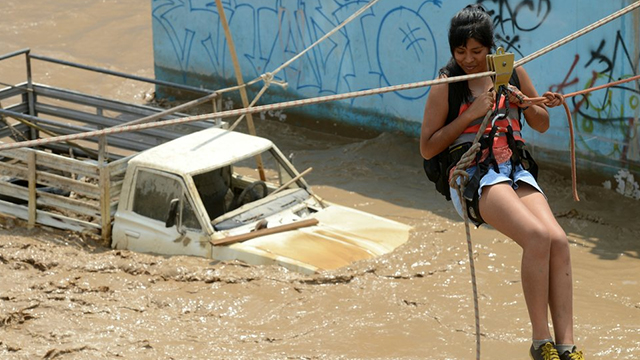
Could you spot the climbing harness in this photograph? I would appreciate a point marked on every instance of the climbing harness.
(504, 130)
(439, 167)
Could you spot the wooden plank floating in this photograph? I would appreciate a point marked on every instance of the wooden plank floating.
(262, 232)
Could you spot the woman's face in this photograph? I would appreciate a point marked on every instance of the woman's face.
(472, 57)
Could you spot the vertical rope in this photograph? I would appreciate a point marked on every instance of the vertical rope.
(459, 173)
(472, 269)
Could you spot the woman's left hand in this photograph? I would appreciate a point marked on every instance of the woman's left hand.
(517, 97)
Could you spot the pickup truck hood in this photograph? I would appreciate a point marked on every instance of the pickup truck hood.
(342, 236)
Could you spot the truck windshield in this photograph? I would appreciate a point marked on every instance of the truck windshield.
(276, 173)
(228, 188)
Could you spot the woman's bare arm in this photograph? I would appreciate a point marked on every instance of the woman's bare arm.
(536, 116)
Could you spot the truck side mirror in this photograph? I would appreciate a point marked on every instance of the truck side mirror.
(173, 213)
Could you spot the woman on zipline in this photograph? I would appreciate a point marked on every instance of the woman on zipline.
(507, 196)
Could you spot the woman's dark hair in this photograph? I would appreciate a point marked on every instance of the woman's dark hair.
(472, 22)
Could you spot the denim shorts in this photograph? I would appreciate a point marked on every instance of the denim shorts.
(492, 178)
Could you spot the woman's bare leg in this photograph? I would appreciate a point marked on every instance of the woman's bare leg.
(502, 208)
(560, 277)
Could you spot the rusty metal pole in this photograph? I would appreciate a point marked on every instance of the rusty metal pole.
(238, 71)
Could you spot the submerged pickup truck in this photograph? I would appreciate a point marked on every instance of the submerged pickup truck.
(189, 189)
(202, 195)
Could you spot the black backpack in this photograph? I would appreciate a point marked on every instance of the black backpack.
(438, 167)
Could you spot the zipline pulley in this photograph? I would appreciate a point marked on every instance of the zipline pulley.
(502, 64)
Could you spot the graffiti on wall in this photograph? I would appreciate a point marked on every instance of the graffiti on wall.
(609, 114)
(512, 18)
(274, 31)
(605, 121)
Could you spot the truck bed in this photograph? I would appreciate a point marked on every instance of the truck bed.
(72, 185)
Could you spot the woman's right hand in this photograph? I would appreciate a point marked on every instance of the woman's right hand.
(482, 104)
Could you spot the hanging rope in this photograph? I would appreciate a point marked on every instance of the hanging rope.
(543, 100)
(238, 112)
(460, 174)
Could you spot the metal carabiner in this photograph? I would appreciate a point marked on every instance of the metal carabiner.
(499, 116)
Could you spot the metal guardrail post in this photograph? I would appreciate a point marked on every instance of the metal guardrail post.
(30, 94)
(217, 106)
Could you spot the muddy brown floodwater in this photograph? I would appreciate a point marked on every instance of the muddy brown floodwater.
(65, 297)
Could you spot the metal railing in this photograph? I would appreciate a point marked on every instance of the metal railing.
(29, 56)
(29, 109)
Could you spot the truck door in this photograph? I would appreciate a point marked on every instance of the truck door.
(144, 223)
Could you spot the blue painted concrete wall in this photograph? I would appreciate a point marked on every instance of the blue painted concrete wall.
(398, 42)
